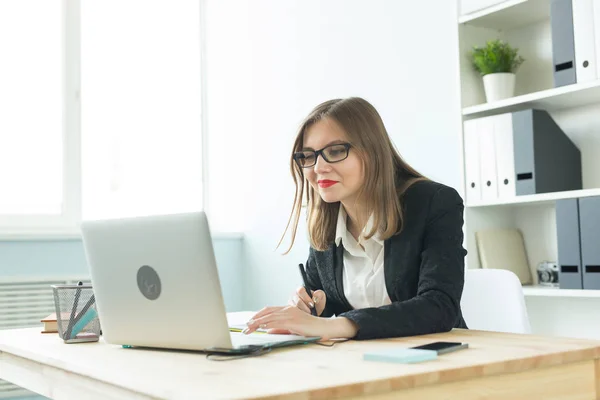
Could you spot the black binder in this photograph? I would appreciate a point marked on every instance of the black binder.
(569, 252)
(563, 42)
(546, 160)
(589, 222)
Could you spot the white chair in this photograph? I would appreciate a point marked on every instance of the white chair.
(493, 300)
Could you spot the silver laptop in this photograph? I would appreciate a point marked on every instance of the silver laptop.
(156, 284)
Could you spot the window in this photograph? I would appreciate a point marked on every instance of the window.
(101, 111)
(141, 122)
(34, 154)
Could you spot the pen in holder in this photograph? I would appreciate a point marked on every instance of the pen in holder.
(76, 314)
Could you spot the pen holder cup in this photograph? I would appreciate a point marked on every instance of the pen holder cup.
(76, 314)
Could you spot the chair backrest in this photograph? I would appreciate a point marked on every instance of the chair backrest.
(493, 300)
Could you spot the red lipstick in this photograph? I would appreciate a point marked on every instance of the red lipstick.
(325, 183)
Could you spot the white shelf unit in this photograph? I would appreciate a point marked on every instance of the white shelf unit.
(509, 14)
(556, 99)
(547, 291)
(525, 24)
(536, 199)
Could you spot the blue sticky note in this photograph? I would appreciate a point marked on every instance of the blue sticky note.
(400, 355)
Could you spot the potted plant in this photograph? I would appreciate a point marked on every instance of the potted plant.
(497, 62)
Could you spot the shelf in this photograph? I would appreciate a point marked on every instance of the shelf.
(536, 199)
(554, 99)
(548, 291)
(509, 14)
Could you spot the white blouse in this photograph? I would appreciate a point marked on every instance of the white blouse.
(363, 277)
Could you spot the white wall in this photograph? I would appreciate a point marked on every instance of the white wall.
(269, 63)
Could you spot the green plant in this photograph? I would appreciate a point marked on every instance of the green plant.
(496, 56)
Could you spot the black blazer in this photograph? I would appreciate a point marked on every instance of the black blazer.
(423, 269)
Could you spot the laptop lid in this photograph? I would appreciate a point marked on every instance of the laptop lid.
(156, 281)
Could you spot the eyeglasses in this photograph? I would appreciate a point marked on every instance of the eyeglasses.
(332, 154)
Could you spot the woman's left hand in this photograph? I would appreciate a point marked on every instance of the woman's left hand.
(289, 319)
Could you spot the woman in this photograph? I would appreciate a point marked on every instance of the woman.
(386, 255)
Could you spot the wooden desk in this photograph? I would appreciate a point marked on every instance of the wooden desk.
(497, 365)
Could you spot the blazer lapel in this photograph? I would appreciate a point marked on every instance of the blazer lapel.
(388, 271)
(338, 266)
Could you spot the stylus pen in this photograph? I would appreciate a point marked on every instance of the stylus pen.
(313, 310)
(67, 333)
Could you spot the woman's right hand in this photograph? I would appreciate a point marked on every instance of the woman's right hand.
(303, 301)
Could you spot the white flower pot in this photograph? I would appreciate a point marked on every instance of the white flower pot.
(499, 86)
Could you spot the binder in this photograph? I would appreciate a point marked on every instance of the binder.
(487, 159)
(472, 170)
(546, 160)
(585, 43)
(563, 42)
(589, 222)
(596, 12)
(505, 155)
(520, 153)
(568, 241)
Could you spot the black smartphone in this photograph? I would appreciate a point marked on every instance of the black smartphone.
(443, 347)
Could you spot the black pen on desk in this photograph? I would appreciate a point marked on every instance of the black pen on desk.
(313, 310)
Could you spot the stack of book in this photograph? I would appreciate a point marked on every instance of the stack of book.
(50, 324)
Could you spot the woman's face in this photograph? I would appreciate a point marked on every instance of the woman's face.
(334, 181)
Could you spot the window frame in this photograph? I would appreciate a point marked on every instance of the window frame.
(67, 224)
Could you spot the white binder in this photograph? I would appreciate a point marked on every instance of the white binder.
(596, 7)
(487, 158)
(472, 174)
(585, 42)
(505, 155)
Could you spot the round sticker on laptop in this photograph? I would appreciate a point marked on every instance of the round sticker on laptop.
(148, 282)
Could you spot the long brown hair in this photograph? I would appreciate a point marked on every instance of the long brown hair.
(386, 174)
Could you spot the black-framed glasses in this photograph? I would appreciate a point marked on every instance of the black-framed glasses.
(332, 154)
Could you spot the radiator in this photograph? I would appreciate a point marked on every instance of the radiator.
(24, 301)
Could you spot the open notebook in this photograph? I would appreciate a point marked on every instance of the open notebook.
(237, 320)
(243, 343)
